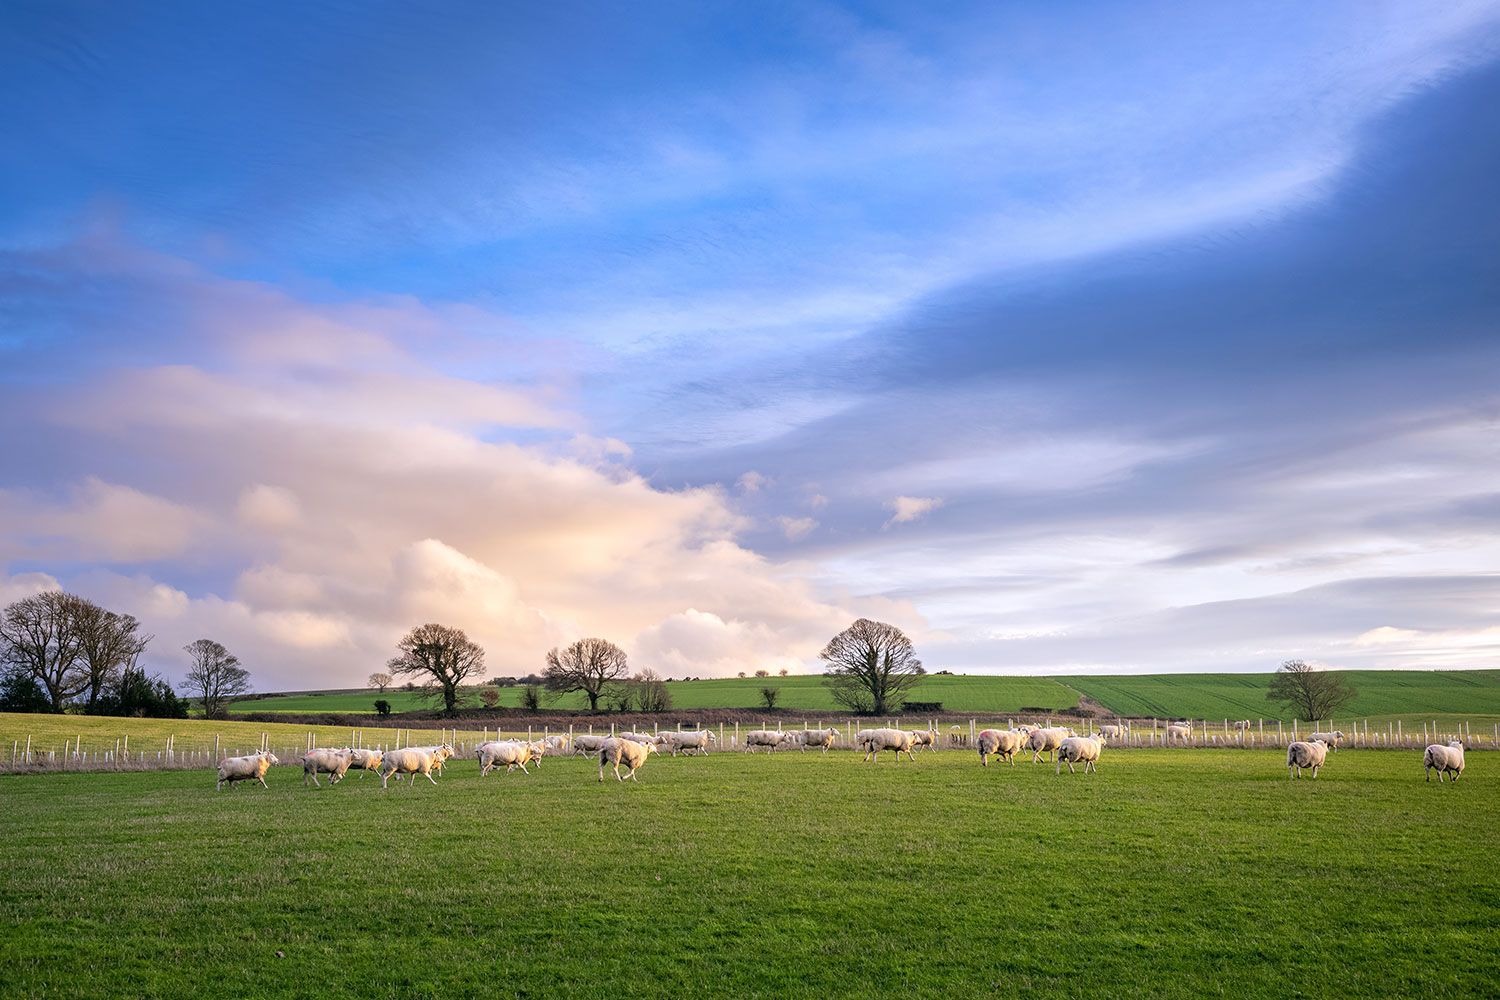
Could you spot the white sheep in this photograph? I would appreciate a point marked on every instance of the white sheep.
(587, 744)
(1046, 741)
(1179, 731)
(768, 738)
(1305, 754)
(412, 761)
(557, 744)
(872, 741)
(1333, 738)
(1084, 750)
(619, 751)
(1241, 724)
(817, 738)
(1112, 731)
(364, 760)
(253, 767)
(333, 763)
(1444, 759)
(925, 738)
(1003, 743)
(636, 737)
(695, 742)
(511, 753)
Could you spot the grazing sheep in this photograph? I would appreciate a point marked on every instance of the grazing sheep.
(695, 742)
(872, 741)
(233, 769)
(511, 753)
(1444, 759)
(588, 745)
(1303, 754)
(412, 761)
(1003, 743)
(1046, 741)
(1333, 739)
(330, 762)
(619, 751)
(364, 760)
(768, 738)
(1084, 750)
(1179, 731)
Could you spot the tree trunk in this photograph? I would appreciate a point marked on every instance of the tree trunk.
(450, 700)
(593, 700)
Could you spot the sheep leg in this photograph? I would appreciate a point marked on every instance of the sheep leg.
(262, 779)
(429, 778)
(601, 770)
(524, 771)
(631, 775)
(617, 773)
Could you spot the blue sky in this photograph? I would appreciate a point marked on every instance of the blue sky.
(1085, 337)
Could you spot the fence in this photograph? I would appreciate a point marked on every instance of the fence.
(163, 753)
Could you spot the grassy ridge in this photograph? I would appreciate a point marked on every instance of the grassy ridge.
(958, 693)
(759, 876)
(1380, 694)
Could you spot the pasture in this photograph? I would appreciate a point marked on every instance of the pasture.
(805, 692)
(1183, 873)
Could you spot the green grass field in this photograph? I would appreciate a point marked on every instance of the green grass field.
(959, 693)
(1167, 874)
(1383, 694)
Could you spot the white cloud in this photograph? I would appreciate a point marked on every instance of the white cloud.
(796, 528)
(907, 509)
(753, 482)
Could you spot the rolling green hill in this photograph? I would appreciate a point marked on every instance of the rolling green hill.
(958, 693)
(1379, 693)
(1382, 694)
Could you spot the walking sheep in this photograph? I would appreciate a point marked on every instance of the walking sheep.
(1084, 750)
(412, 761)
(693, 742)
(1303, 754)
(1333, 739)
(1444, 759)
(364, 760)
(621, 751)
(875, 740)
(1179, 731)
(253, 767)
(588, 745)
(511, 753)
(768, 738)
(1003, 743)
(333, 763)
(1046, 741)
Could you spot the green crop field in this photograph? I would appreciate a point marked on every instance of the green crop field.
(1383, 694)
(1167, 874)
(958, 693)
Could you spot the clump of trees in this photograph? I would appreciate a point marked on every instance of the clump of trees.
(1312, 693)
(651, 692)
(594, 666)
(215, 677)
(442, 656)
(871, 667)
(59, 650)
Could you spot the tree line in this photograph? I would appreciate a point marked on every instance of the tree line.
(61, 651)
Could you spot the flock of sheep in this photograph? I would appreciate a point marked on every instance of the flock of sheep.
(630, 750)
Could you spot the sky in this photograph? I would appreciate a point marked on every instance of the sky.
(1082, 338)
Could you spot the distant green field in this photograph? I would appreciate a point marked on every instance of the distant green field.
(1410, 694)
(963, 693)
(760, 876)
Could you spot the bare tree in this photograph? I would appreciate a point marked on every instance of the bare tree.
(215, 677)
(39, 638)
(651, 692)
(871, 666)
(1312, 693)
(107, 644)
(589, 665)
(379, 680)
(444, 655)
